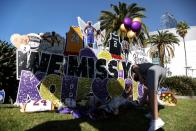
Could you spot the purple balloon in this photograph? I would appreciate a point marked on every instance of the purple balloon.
(136, 26)
(127, 22)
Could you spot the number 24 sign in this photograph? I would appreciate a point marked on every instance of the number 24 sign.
(38, 102)
(75, 38)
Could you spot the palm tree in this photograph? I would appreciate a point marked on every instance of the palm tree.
(163, 43)
(111, 21)
(181, 29)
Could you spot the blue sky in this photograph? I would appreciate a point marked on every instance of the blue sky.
(35, 16)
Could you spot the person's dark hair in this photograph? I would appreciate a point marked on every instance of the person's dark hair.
(132, 71)
(98, 32)
(134, 75)
(89, 23)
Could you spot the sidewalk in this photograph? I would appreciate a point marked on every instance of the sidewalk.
(186, 97)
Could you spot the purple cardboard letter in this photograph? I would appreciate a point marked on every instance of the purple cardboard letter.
(28, 86)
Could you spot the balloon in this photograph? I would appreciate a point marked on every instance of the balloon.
(131, 34)
(17, 40)
(122, 28)
(136, 26)
(127, 22)
(115, 87)
(104, 54)
(137, 19)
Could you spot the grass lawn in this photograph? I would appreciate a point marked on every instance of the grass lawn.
(179, 118)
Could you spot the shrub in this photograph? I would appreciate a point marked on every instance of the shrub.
(181, 85)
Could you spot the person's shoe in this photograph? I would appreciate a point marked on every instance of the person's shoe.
(148, 115)
(156, 124)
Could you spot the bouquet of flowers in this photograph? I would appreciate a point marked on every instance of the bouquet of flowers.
(168, 99)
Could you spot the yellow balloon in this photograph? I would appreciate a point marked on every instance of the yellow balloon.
(105, 55)
(122, 28)
(137, 19)
(122, 82)
(115, 87)
(131, 34)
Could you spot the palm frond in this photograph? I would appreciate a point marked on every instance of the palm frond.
(182, 28)
(164, 41)
(111, 20)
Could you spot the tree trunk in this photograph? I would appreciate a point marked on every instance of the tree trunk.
(161, 61)
(185, 57)
(161, 56)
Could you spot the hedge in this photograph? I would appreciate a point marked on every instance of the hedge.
(181, 85)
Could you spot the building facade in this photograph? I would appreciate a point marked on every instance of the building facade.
(168, 21)
(176, 65)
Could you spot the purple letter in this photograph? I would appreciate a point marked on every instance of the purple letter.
(28, 86)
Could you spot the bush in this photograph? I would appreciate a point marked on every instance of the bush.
(181, 85)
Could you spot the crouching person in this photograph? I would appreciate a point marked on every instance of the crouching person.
(150, 76)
